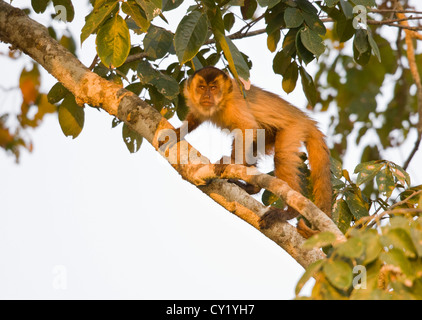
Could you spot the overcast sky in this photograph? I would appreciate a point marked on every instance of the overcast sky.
(85, 218)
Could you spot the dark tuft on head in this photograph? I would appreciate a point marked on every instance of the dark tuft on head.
(210, 73)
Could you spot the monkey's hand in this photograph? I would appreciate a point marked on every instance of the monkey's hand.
(249, 188)
(274, 215)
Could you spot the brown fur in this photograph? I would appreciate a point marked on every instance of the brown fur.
(286, 127)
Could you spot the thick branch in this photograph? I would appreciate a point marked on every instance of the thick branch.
(33, 39)
(203, 172)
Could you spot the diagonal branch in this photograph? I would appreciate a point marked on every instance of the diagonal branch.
(33, 39)
(414, 69)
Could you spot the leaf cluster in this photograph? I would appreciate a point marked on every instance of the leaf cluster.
(373, 264)
(382, 257)
(130, 42)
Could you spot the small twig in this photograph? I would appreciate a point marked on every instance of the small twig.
(135, 57)
(394, 11)
(94, 62)
(415, 193)
(414, 150)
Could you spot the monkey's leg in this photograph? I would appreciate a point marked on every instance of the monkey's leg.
(240, 148)
(286, 162)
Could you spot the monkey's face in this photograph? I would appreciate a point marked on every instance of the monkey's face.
(207, 89)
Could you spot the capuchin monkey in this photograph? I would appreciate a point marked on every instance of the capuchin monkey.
(213, 96)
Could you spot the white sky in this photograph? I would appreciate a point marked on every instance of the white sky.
(85, 219)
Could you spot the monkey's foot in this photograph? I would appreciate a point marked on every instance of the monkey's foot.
(274, 215)
(249, 188)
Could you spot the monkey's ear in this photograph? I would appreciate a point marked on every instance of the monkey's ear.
(246, 83)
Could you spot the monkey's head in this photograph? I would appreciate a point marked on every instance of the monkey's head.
(207, 89)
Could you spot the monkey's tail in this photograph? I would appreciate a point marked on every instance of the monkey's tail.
(319, 161)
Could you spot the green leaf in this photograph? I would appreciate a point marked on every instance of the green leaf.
(94, 20)
(132, 9)
(312, 41)
(132, 139)
(308, 87)
(115, 122)
(68, 6)
(369, 166)
(228, 21)
(399, 239)
(275, 22)
(361, 42)
(158, 42)
(71, 117)
(268, 3)
(401, 175)
(248, 9)
(342, 215)
(289, 43)
(165, 85)
(239, 61)
(347, 9)
(373, 246)
(339, 273)
(152, 8)
(270, 199)
(57, 93)
(397, 258)
(312, 21)
(385, 182)
(374, 46)
(281, 62)
(319, 240)
(416, 235)
(361, 58)
(273, 40)
(171, 4)
(290, 78)
(367, 171)
(356, 205)
(304, 54)
(353, 248)
(182, 108)
(39, 6)
(113, 42)
(366, 3)
(306, 6)
(309, 273)
(344, 29)
(293, 18)
(331, 3)
(190, 35)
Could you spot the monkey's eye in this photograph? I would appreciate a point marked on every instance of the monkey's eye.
(201, 87)
(213, 88)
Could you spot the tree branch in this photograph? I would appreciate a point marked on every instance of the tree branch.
(416, 76)
(34, 40)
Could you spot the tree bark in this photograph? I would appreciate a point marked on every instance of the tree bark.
(33, 39)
